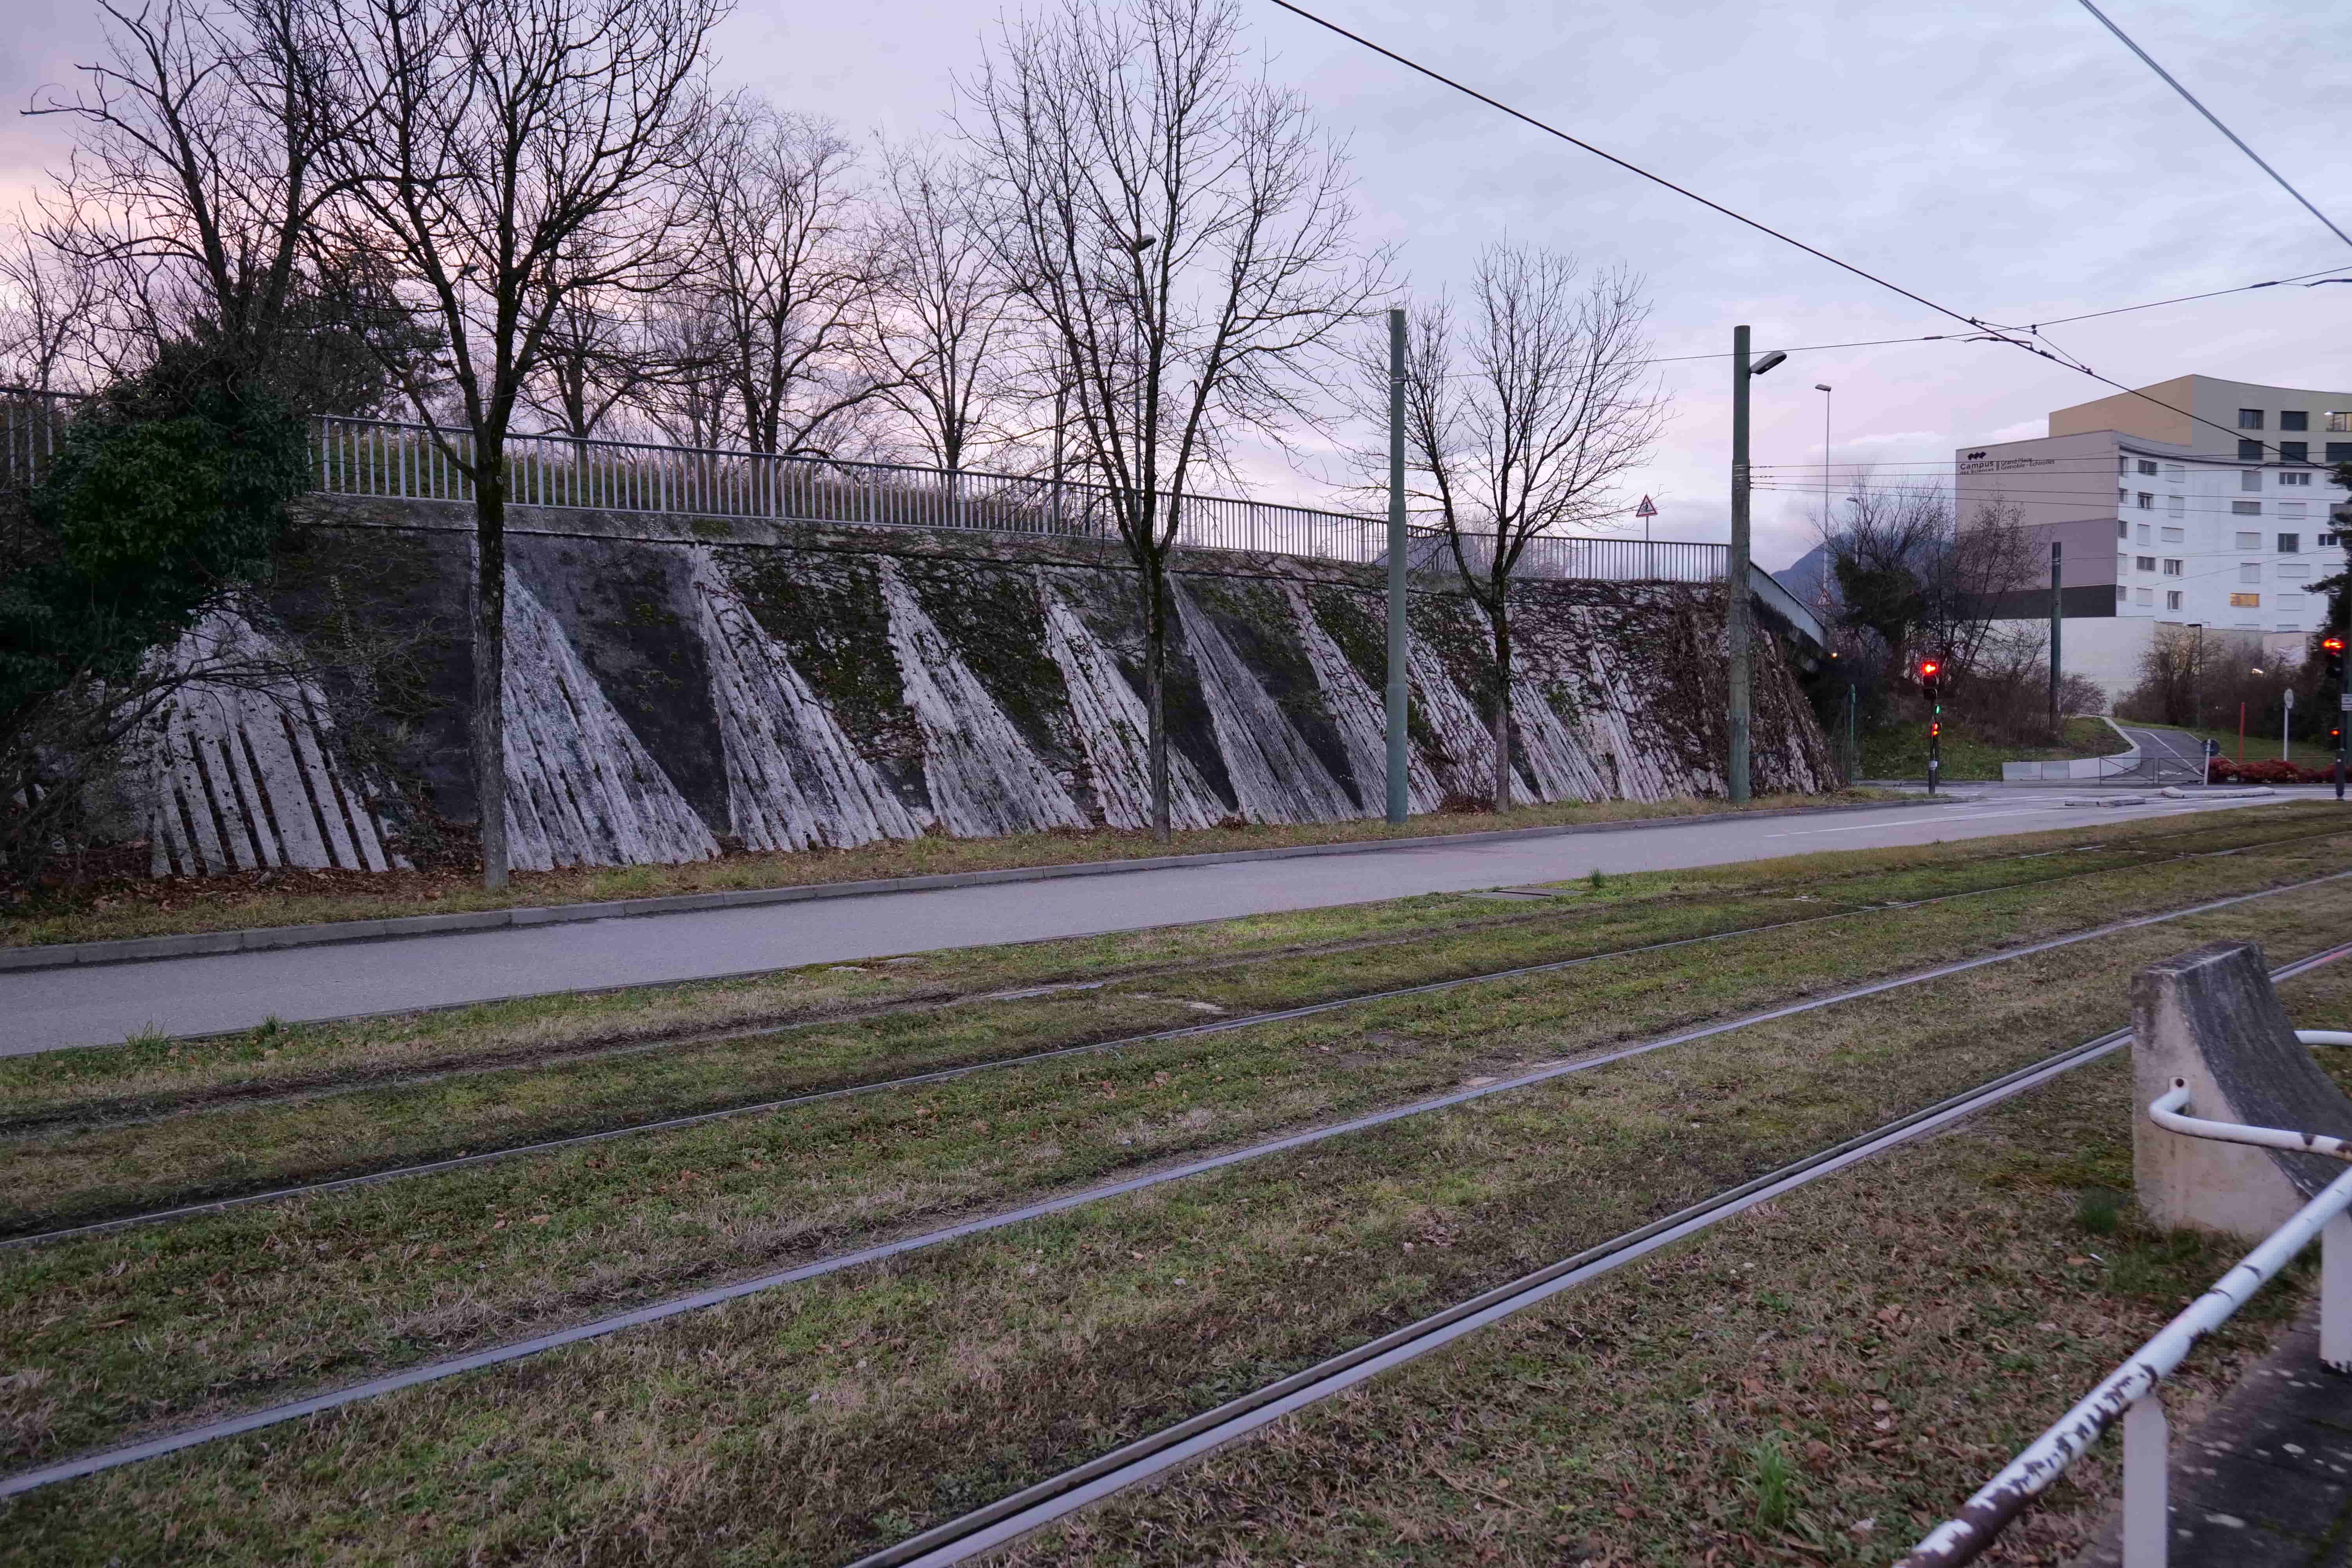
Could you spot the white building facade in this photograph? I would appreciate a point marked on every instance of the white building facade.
(2194, 502)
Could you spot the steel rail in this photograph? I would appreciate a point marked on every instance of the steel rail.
(1189, 1031)
(434, 1372)
(991, 1526)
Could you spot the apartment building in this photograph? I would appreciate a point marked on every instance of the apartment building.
(2196, 501)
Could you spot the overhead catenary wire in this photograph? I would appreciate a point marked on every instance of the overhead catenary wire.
(1992, 332)
(2214, 120)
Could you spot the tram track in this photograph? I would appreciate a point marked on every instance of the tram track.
(1073, 1488)
(950, 1072)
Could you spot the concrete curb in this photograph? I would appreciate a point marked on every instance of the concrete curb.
(261, 939)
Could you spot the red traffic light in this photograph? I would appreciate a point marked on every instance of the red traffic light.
(1930, 669)
(2333, 644)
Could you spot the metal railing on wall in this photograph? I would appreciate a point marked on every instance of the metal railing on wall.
(400, 460)
(31, 428)
(2132, 1395)
(383, 457)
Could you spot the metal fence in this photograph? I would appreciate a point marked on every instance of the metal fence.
(32, 427)
(2131, 1396)
(410, 461)
(381, 458)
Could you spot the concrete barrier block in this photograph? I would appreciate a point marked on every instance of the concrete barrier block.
(2211, 1017)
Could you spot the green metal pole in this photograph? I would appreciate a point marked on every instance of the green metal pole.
(2057, 617)
(1400, 546)
(1735, 574)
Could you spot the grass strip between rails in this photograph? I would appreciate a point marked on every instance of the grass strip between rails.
(83, 1176)
(1817, 1382)
(806, 1424)
(154, 1074)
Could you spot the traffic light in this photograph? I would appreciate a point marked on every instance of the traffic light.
(2333, 647)
(1930, 671)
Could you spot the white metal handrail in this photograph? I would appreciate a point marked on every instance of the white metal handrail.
(2130, 1392)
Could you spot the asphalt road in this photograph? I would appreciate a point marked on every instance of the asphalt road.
(45, 1009)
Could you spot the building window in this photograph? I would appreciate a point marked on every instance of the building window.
(2175, 505)
(2123, 497)
(2296, 569)
(2292, 509)
(2143, 562)
(2146, 500)
(2145, 596)
(2143, 533)
(2293, 419)
(2294, 451)
(2120, 593)
(2245, 601)
(2294, 479)
(2174, 474)
(2289, 605)
(2339, 451)
(2171, 566)
(2250, 570)
(2249, 451)
(2122, 465)
(2250, 418)
(2174, 536)
(2326, 542)
(2245, 509)
(2290, 543)
(2252, 479)
(2250, 542)
(2338, 419)
(2123, 531)
(2172, 600)
(2146, 468)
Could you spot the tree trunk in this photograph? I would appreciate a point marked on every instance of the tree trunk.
(1155, 689)
(490, 664)
(1502, 718)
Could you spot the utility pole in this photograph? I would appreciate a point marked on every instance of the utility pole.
(1737, 617)
(2343, 702)
(1400, 546)
(1735, 578)
(2057, 614)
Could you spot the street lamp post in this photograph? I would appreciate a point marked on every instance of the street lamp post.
(1823, 388)
(1735, 617)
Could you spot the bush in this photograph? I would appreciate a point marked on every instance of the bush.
(2271, 771)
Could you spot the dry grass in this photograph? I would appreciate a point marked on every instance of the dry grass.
(127, 906)
(152, 1075)
(806, 1424)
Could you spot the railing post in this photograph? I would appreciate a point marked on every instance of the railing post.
(2147, 1511)
(2335, 1294)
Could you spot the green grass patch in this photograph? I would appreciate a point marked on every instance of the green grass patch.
(1899, 750)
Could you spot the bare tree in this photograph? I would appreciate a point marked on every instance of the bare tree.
(1183, 233)
(48, 318)
(510, 157)
(1519, 423)
(597, 359)
(768, 334)
(1908, 582)
(949, 330)
(201, 171)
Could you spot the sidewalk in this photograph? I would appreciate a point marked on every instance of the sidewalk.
(2265, 1481)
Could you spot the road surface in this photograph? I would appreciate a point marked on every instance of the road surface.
(45, 1009)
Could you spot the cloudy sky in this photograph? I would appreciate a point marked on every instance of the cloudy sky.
(2004, 157)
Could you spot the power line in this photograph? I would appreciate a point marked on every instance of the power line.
(2184, 299)
(2235, 140)
(1992, 331)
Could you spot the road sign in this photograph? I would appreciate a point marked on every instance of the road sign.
(2289, 695)
(2345, 702)
(1647, 509)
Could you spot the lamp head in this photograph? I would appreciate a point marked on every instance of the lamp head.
(1767, 361)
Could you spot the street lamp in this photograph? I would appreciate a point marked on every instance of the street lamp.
(1823, 388)
(1735, 614)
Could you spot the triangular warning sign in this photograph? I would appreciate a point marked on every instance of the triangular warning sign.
(1647, 509)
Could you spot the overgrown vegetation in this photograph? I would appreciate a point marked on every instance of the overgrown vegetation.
(167, 499)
